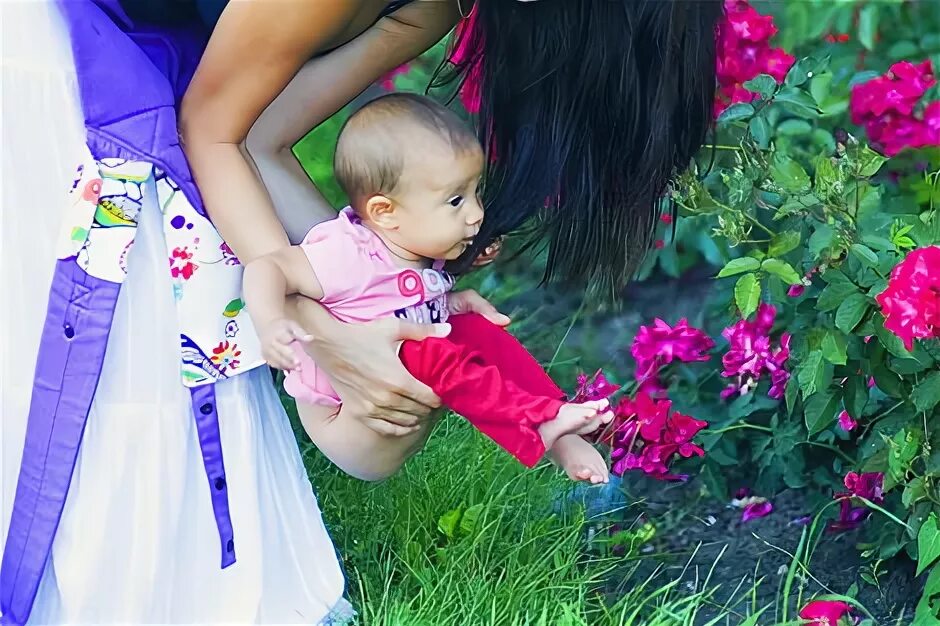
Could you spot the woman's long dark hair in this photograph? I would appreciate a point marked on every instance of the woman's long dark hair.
(588, 110)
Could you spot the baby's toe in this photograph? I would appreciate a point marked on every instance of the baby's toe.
(582, 473)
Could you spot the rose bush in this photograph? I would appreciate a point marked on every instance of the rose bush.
(818, 205)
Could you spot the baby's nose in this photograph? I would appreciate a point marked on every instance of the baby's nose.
(475, 214)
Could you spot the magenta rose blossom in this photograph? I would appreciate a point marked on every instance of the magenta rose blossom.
(911, 303)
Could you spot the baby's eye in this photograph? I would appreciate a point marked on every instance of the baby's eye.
(456, 201)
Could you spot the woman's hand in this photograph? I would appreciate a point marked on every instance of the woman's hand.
(362, 363)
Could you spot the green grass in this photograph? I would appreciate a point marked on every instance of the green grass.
(465, 535)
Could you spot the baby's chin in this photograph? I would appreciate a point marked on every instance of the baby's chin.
(454, 253)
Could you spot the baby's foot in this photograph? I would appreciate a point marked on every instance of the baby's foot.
(580, 460)
(575, 419)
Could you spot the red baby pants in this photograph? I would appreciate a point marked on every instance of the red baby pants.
(483, 373)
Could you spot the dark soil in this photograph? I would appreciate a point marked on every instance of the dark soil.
(697, 537)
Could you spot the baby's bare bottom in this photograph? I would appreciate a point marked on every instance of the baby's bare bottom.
(346, 439)
(357, 449)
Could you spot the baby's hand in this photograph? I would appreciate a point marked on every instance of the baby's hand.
(470, 301)
(276, 339)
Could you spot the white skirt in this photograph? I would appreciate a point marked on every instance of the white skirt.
(137, 542)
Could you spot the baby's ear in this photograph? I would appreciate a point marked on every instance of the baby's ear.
(380, 210)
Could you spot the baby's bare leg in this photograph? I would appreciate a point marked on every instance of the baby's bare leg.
(357, 449)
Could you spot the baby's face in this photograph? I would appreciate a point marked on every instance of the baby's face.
(438, 211)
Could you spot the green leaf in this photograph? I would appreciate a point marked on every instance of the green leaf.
(739, 266)
(851, 312)
(799, 72)
(856, 395)
(878, 242)
(789, 174)
(929, 605)
(784, 242)
(735, 112)
(798, 102)
(926, 394)
(747, 294)
(928, 544)
(903, 50)
(820, 87)
(811, 373)
(869, 162)
(792, 128)
(835, 294)
(447, 523)
(759, 128)
(468, 521)
(764, 84)
(819, 412)
(903, 449)
(782, 270)
(821, 239)
(915, 490)
(790, 394)
(834, 348)
(714, 480)
(889, 340)
(864, 254)
(888, 382)
(868, 26)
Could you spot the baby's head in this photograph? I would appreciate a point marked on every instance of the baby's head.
(410, 168)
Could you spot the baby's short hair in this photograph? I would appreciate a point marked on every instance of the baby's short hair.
(370, 151)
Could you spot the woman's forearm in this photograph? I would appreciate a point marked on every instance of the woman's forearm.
(297, 202)
(235, 198)
(264, 290)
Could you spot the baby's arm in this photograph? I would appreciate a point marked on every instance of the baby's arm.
(268, 281)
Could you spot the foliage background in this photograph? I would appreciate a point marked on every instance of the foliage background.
(788, 194)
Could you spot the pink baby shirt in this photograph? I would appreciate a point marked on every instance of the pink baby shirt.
(361, 283)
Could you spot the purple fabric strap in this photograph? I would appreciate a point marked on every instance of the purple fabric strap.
(71, 353)
(130, 79)
(210, 442)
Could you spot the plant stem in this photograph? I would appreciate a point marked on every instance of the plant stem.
(765, 429)
(721, 147)
(830, 447)
(757, 223)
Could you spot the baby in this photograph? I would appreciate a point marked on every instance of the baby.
(410, 168)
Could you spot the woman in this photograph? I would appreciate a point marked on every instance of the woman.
(588, 108)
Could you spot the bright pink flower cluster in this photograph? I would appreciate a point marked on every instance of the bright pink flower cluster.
(744, 52)
(847, 422)
(824, 612)
(887, 107)
(752, 507)
(660, 344)
(751, 355)
(869, 486)
(911, 303)
(470, 90)
(648, 436)
(595, 387)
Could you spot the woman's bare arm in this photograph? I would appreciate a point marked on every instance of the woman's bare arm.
(320, 89)
(257, 48)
